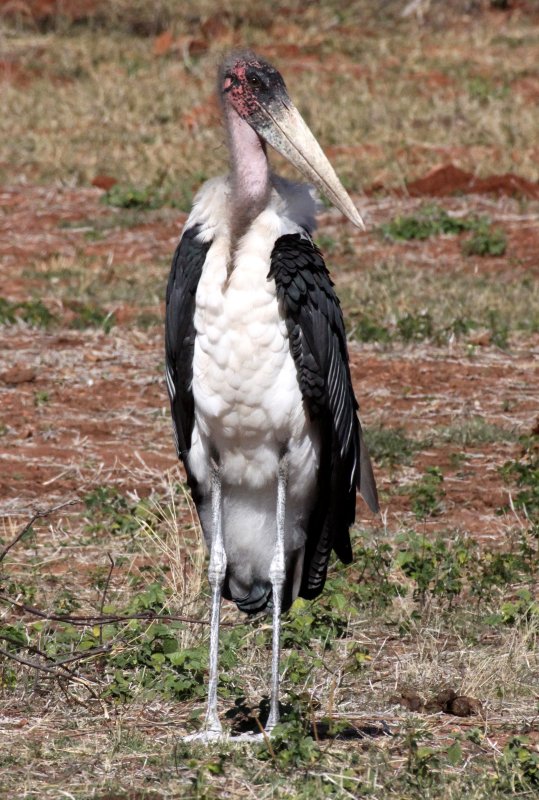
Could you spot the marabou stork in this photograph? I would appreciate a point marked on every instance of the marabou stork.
(257, 370)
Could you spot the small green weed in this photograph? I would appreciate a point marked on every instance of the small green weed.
(475, 430)
(158, 194)
(426, 495)
(434, 221)
(292, 743)
(366, 329)
(438, 568)
(429, 221)
(150, 660)
(525, 471)
(415, 327)
(423, 762)
(41, 398)
(524, 608)
(65, 602)
(518, 769)
(326, 243)
(91, 316)
(307, 621)
(499, 329)
(33, 312)
(131, 197)
(484, 90)
(391, 446)
(486, 241)
(412, 327)
(106, 507)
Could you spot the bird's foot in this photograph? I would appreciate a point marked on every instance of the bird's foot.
(207, 736)
(250, 737)
(210, 736)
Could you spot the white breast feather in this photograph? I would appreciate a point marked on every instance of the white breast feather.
(247, 399)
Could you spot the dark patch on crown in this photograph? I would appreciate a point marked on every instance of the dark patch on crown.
(248, 82)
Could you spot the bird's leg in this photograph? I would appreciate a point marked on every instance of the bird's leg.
(277, 577)
(216, 576)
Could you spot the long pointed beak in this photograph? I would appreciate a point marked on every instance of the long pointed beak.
(283, 127)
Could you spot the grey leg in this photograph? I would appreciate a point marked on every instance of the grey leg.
(277, 577)
(216, 576)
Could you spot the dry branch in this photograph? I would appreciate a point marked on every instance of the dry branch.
(105, 619)
(60, 662)
(38, 515)
(44, 667)
(103, 596)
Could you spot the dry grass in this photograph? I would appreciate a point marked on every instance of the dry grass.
(101, 102)
(86, 745)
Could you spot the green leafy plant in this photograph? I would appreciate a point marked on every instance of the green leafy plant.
(106, 506)
(523, 608)
(41, 398)
(415, 327)
(391, 446)
(292, 744)
(429, 221)
(426, 495)
(33, 312)
(91, 316)
(485, 241)
(367, 329)
(131, 197)
(150, 661)
(525, 471)
(438, 568)
(518, 769)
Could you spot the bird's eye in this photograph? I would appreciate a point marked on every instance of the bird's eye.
(255, 81)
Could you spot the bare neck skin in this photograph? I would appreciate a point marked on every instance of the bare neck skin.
(250, 175)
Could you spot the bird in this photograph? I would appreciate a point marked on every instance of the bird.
(257, 369)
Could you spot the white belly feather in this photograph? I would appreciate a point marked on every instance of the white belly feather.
(248, 405)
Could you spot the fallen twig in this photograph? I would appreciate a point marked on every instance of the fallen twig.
(45, 668)
(106, 619)
(60, 662)
(38, 515)
(103, 596)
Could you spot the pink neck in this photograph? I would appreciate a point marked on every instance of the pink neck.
(250, 173)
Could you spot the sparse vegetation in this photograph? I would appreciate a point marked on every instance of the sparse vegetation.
(525, 471)
(129, 197)
(410, 579)
(485, 242)
(32, 312)
(396, 303)
(391, 446)
(434, 221)
(426, 495)
(429, 221)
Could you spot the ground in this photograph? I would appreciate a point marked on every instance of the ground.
(109, 128)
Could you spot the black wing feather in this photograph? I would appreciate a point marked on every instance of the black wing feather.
(185, 272)
(318, 345)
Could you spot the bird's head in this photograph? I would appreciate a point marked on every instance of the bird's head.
(256, 92)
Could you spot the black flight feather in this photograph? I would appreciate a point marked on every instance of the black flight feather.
(318, 346)
(180, 334)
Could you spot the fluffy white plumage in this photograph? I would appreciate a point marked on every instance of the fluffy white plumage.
(247, 398)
